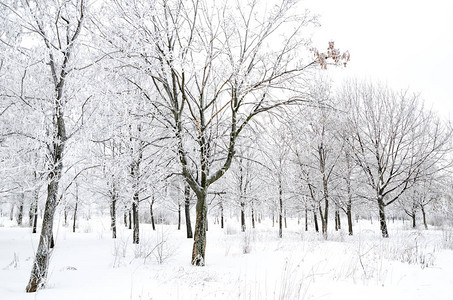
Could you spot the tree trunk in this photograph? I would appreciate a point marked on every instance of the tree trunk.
(323, 222)
(382, 220)
(325, 218)
(337, 220)
(41, 263)
(125, 218)
(424, 216)
(306, 218)
(130, 219)
(242, 216)
(286, 224)
(187, 211)
(35, 212)
(65, 215)
(413, 215)
(151, 212)
(74, 219)
(30, 215)
(113, 214)
(179, 216)
(199, 243)
(20, 213)
(135, 234)
(253, 218)
(349, 215)
(280, 213)
(221, 215)
(315, 218)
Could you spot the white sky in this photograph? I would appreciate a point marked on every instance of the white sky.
(404, 43)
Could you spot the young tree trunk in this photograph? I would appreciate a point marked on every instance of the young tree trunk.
(151, 212)
(413, 215)
(253, 218)
(280, 213)
(65, 215)
(382, 220)
(125, 218)
(221, 215)
(30, 215)
(113, 213)
(315, 219)
(130, 219)
(325, 218)
(323, 222)
(33, 213)
(199, 244)
(74, 219)
(135, 234)
(286, 224)
(41, 263)
(179, 216)
(306, 218)
(242, 216)
(273, 220)
(349, 216)
(424, 216)
(35, 209)
(20, 212)
(187, 211)
(337, 220)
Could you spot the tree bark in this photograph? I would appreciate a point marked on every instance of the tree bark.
(242, 216)
(382, 220)
(41, 263)
(130, 219)
(31, 212)
(135, 233)
(199, 245)
(65, 215)
(280, 211)
(113, 213)
(323, 221)
(413, 215)
(74, 219)
(424, 216)
(187, 211)
(253, 218)
(337, 220)
(315, 219)
(349, 216)
(221, 215)
(179, 216)
(20, 213)
(306, 218)
(286, 224)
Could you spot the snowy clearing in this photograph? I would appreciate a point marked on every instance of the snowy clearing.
(88, 264)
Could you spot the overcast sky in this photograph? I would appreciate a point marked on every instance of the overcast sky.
(404, 43)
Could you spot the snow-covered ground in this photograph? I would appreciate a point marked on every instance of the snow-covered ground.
(88, 264)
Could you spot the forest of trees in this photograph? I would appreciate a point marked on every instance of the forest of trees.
(146, 111)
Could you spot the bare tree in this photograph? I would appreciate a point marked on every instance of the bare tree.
(214, 70)
(394, 140)
(57, 26)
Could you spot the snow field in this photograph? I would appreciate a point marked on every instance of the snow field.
(88, 264)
